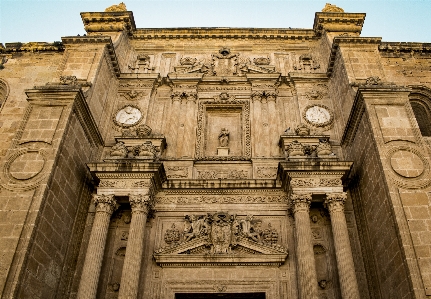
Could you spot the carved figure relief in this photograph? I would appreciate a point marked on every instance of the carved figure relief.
(119, 7)
(128, 116)
(318, 115)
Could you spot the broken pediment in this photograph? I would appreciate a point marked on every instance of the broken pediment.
(221, 239)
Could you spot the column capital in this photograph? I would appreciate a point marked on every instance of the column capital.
(335, 201)
(140, 203)
(300, 202)
(105, 203)
(257, 96)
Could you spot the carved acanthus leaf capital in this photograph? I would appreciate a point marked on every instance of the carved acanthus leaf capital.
(300, 202)
(335, 201)
(140, 203)
(105, 203)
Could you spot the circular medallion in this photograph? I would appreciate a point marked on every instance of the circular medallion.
(318, 115)
(128, 116)
(407, 164)
(27, 165)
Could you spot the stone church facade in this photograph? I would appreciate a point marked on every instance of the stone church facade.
(215, 162)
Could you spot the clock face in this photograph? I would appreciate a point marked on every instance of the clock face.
(128, 116)
(318, 115)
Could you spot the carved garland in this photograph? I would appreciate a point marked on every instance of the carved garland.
(201, 140)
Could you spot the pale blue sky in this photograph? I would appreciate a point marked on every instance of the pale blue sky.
(49, 20)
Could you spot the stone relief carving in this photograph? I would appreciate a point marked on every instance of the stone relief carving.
(224, 63)
(130, 183)
(177, 172)
(128, 116)
(208, 199)
(302, 130)
(321, 150)
(221, 232)
(230, 174)
(142, 64)
(373, 81)
(68, 80)
(307, 64)
(224, 96)
(266, 172)
(139, 132)
(317, 92)
(119, 151)
(264, 96)
(318, 115)
(146, 150)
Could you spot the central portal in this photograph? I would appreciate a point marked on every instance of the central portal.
(220, 296)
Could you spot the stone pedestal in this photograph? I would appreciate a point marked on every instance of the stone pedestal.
(135, 245)
(222, 151)
(105, 206)
(304, 248)
(346, 269)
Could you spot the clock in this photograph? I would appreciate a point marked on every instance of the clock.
(128, 116)
(318, 115)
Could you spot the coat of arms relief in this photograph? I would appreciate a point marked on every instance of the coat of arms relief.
(224, 63)
(221, 238)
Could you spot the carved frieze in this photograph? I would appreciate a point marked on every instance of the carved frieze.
(126, 184)
(315, 182)
(217, 199)
(214, 174)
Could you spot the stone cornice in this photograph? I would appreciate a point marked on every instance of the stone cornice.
(358, 107)
(61, 94)
(338, 22)
(349, 41)
(33, 47)
(221, 33)
(404, 47)
(108, 21)
(73, 40)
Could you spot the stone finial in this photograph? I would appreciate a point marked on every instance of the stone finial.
(119, 7)
(332, 8)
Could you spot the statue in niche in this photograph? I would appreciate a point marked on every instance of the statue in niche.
(223, 138)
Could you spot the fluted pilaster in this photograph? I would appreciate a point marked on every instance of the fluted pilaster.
(304, 248)
(346, 269)
(135, 246)
(105, 206)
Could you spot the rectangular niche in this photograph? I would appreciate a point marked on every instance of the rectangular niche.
(213, 116)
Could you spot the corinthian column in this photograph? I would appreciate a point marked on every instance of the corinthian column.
(346, 269)
(105, 206)
(304, 248)
(135, 246)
